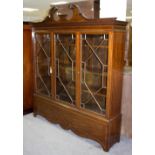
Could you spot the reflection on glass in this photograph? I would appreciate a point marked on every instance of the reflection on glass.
(65, 67)
(43, 78)
(94, 72)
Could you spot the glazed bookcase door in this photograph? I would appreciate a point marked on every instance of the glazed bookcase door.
(94, 60)
(42, 64)
(65, 62)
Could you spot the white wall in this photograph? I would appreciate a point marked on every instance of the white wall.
(113, 8)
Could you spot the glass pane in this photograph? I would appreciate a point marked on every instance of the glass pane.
(94, 72)
(43, 56)
(65, 67)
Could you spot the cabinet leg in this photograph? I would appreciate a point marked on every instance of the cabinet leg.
(34, 114)
(105, 149)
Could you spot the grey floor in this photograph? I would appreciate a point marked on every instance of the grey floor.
(44, 138)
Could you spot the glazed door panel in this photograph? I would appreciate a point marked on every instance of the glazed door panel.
(65, 62)
(42, 64)
(94, 60)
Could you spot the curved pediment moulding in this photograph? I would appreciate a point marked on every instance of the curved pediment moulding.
(76, 16)
(77, 19)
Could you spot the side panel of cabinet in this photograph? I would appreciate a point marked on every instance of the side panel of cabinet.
(116, 63)
(27, 69)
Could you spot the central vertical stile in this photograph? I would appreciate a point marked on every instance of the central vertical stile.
(52, 69)
(78, 70)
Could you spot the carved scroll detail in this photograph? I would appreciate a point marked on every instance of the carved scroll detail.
(50, 17)
(77, 15)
